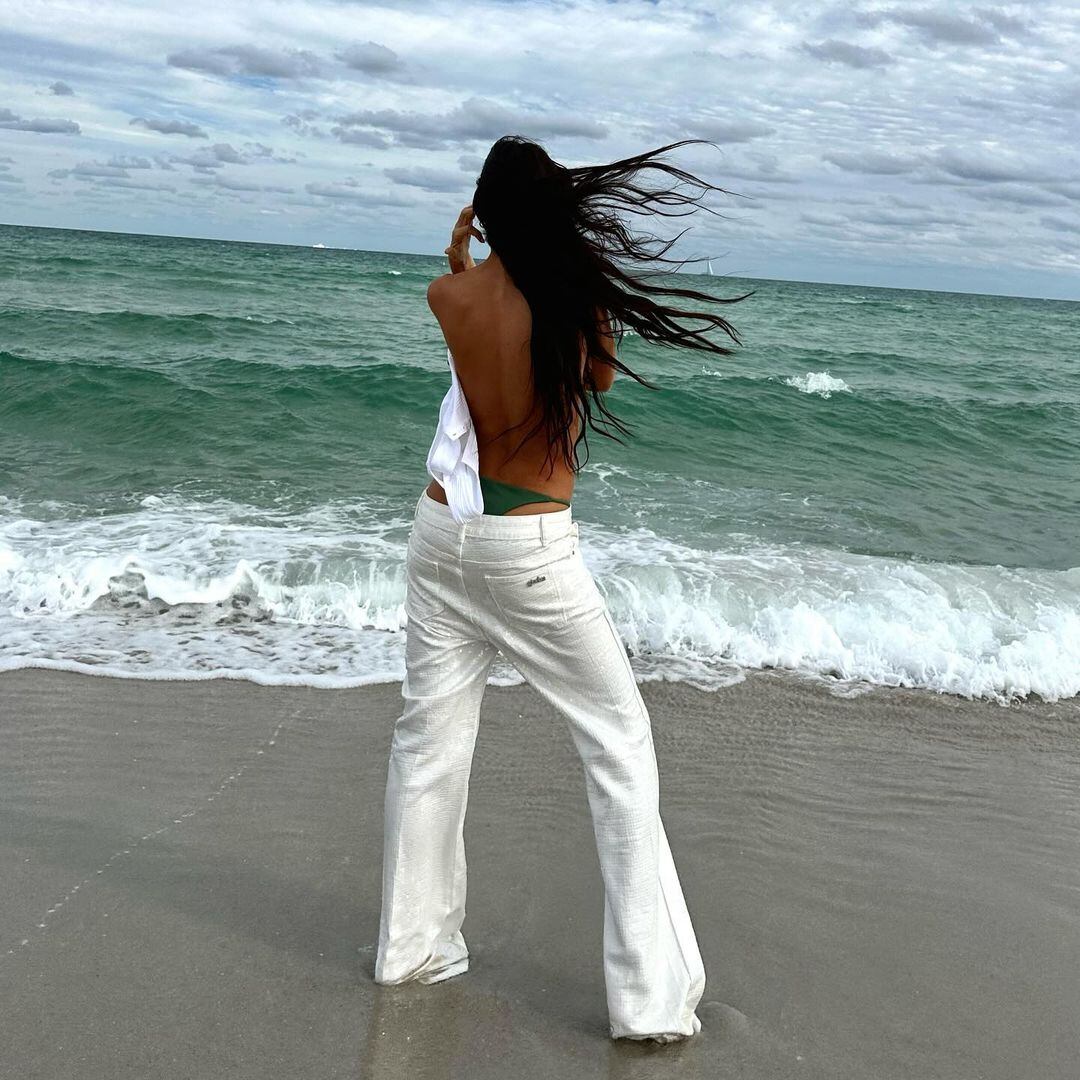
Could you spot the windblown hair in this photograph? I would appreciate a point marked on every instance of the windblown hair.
(558, 232)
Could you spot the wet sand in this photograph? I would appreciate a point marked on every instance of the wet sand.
(882, 886)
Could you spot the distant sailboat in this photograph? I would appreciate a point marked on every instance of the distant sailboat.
(710, 268)
(318, 245)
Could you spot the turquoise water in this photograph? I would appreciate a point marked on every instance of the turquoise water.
(210, 453)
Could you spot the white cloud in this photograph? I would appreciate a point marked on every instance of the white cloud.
(169, 127)
(893, 133)
(844, 52)
(41, 125)
(235, 60)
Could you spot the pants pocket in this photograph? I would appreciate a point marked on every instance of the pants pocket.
(529, 599)
(546, 596)
(424, 589)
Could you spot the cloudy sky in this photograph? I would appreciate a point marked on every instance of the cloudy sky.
(910, 144)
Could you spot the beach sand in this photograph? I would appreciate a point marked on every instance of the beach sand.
(886, 885)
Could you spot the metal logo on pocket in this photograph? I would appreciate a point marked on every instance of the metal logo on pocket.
(533, 581)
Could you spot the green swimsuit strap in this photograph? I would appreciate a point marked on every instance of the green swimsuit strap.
(503, 488)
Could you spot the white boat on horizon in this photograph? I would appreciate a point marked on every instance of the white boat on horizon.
(318, 245)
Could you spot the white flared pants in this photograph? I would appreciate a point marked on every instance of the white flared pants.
(517, 584)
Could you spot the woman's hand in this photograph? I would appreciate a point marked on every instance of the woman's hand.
(458, 251)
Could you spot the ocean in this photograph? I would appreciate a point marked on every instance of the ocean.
(210, 453)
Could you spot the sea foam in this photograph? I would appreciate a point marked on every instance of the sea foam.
(818, 382)
(198, 590)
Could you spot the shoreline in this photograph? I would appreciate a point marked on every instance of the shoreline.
(842, 689)
(882, 885)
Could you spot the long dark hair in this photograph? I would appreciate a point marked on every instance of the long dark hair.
(558, 232)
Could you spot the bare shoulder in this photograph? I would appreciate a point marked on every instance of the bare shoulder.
(440, 291)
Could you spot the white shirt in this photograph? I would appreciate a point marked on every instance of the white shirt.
(453, 459)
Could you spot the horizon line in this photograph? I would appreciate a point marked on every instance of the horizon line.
(440, 256)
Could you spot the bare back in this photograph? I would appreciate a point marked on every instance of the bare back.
(487, 324)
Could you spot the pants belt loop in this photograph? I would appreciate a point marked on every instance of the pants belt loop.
(543, 538)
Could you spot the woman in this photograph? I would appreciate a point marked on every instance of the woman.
(493, 566)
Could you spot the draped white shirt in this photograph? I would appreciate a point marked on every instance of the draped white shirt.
(453, 458)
